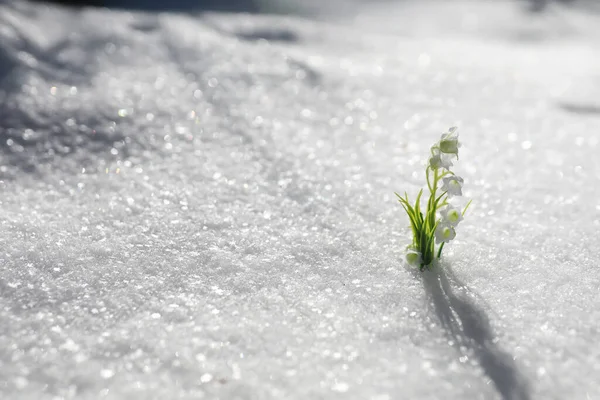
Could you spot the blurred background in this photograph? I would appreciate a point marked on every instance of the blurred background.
(291, 6)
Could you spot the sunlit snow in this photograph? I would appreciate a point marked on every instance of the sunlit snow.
(200, 205)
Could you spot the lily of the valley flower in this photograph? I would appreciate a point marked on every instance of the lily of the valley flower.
(449, 142)
(434, 225)
(450, 215)
(452, 185)
(439, 160)
(444, 233)
(413, 257)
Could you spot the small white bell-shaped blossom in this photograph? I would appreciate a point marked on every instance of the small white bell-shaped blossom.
(444, 233)
(439, 160)
(449, 142)
(451, 215)
(413, 257)
(452, 185)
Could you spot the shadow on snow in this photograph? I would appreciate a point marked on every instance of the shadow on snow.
(468, 326)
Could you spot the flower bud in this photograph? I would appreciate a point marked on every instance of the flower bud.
(438, 160)
(451, 215)
(413, 257)
(452, 185)
(449, 142)
(444, 233)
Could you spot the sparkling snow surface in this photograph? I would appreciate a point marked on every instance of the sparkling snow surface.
(201, 206)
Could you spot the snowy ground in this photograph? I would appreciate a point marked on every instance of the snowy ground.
(201, 206)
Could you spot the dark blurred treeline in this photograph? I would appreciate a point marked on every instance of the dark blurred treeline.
(259, 5)
(215, 5)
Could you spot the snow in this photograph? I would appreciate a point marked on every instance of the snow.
(201, 205)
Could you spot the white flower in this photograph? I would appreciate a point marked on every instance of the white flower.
(439, 160)
(452, 185)
(413, 257)
(449, 142)
(444, 233)
(451, 215)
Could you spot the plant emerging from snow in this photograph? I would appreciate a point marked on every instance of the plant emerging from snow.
(437, 225)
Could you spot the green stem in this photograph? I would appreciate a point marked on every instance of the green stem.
(427, 176)
(431, 207)
(440, 250)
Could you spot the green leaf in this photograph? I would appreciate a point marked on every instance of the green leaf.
(413, 223)
(438, 199)
(418, 205)
(466, 207)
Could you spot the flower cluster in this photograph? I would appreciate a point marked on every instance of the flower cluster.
(437, 225)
